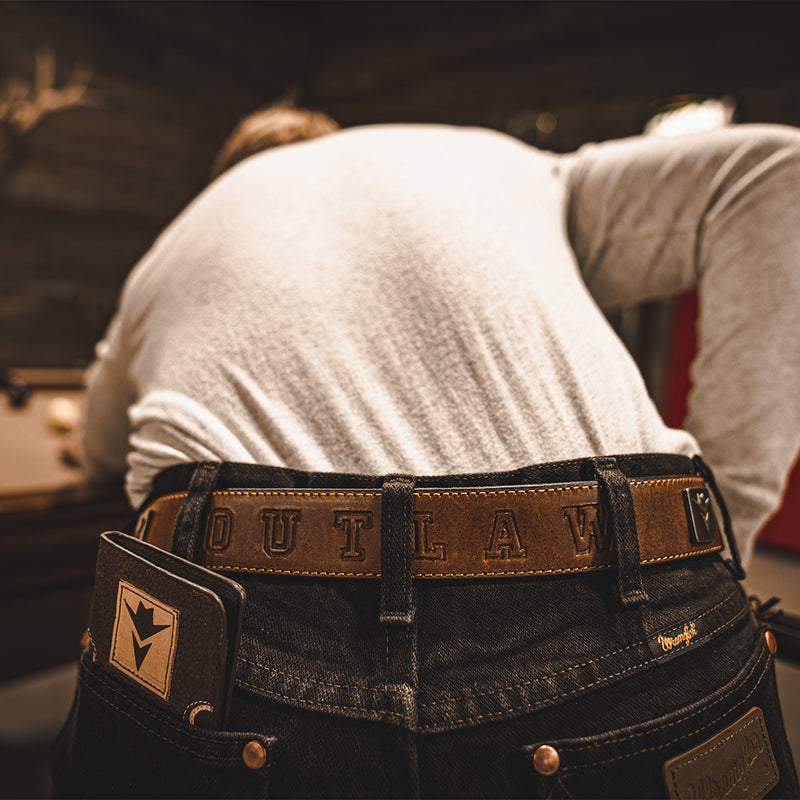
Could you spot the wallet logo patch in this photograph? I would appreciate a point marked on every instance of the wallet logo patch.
(144, 639)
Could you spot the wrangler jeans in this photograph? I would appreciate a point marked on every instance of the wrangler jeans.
(458, 698)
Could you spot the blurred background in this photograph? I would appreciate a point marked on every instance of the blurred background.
(111, 114)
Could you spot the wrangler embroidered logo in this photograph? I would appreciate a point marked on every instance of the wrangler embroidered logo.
(144, 639)
(676, 640)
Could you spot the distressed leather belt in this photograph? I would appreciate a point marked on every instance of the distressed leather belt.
(458, 533)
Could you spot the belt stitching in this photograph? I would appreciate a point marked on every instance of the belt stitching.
(644, 482)
(566, 570)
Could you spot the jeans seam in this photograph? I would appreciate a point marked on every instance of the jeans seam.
(388, 689)
(318, 703)
(635, 667)
(582, 664)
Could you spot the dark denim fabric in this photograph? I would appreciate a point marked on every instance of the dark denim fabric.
(451, 693)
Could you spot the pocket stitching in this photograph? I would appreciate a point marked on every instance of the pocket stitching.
(582, 767)
(583, 664)
(635, 667)
(689, 716)
(200, 737)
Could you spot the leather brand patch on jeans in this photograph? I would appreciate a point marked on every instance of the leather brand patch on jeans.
(737, 762)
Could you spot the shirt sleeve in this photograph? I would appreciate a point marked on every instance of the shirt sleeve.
(649, 217)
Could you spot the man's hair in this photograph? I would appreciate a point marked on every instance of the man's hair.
(270, 127)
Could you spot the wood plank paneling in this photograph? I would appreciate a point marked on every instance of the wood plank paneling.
(47, 557)
(85, 193)
(479, 62)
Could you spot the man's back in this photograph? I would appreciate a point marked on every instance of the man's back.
(399, 298)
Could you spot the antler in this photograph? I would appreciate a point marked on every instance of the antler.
(24, 106)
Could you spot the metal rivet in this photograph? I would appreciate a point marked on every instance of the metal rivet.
(86, 638)
(546, 760)
(254, 755)
(772, 642)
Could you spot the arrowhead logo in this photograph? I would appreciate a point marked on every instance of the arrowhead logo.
(144, 639)
(702, 527)
(143, 621)
(702, 502)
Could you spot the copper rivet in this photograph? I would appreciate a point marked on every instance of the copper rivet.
(546, 760)
(772, 642)
(254, 755)
(86, 638)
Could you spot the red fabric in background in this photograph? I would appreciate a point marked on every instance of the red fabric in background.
(782, 532)
(682, 350)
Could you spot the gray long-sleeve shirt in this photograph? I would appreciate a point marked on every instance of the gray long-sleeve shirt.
(423, 299)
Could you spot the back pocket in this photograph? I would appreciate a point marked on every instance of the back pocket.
(731, 744)
(117, 745)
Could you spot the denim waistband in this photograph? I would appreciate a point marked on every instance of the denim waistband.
(240, 475)
(462, 653)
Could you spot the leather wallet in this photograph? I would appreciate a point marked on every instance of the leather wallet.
(166, 627)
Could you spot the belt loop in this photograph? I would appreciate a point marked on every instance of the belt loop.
(734, 563)
(616, 492)
(397, 549)
(189, 522)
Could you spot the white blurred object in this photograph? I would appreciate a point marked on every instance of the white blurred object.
(692, 116)
(62, 415)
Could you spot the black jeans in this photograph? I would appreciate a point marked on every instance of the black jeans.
(456, 697)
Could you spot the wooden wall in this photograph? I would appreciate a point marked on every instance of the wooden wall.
(600, 67)
(84, 193)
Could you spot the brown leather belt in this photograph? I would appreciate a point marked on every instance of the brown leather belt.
(459, 533)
